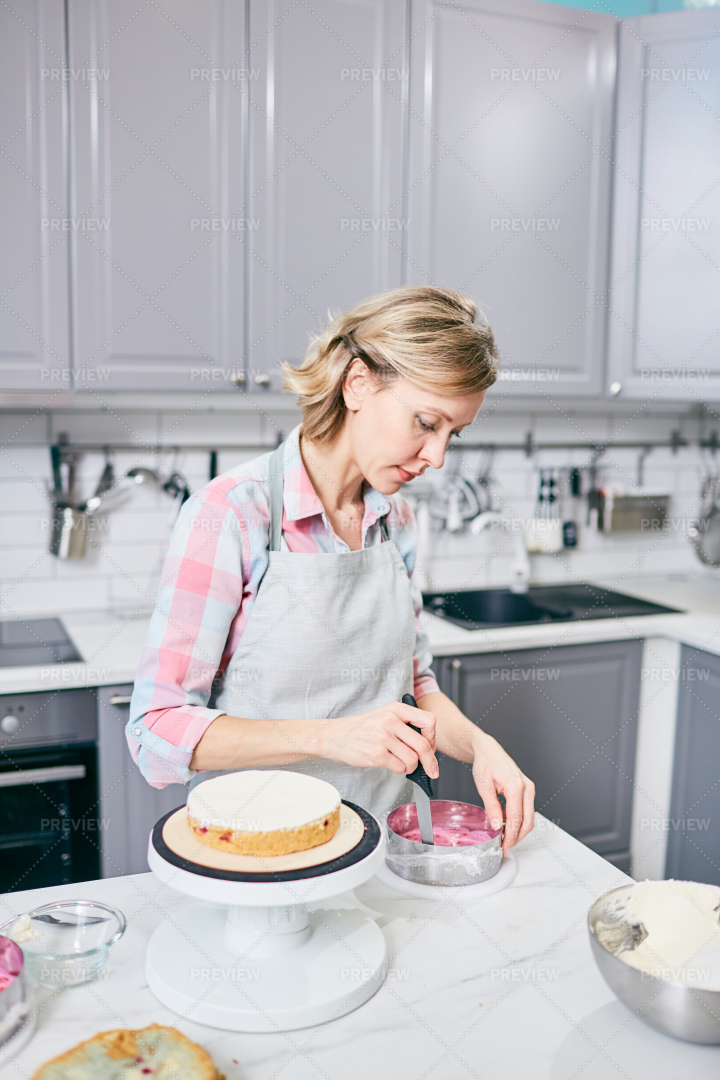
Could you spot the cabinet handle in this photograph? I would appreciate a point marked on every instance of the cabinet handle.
(456, 665)
(42, 776)
(120, 699)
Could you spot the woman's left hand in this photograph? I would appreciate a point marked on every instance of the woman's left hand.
(496, 773)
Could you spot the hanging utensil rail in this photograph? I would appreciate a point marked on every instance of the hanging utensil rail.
(528, 446)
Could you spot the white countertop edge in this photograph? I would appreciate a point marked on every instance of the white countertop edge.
(701, 631)
(111, 642)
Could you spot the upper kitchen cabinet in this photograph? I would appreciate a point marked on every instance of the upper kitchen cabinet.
(510, 150)
(328, 93)
(157, 144)
(34, 220)
(663, 337)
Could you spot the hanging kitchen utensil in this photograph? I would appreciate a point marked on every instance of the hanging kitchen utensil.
(71, 460)
(107, 477)
(456, 502)
(177, 487)
(69, 532)
(105, 484)
(632, 513)
(422, 787)
(595, 498)
(705, 532)
(569, 529)
(483, 487)
(56, 460)
(141, 475)
(68, 536)
(544, 532)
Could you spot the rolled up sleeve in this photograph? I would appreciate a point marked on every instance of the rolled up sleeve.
(199, 597)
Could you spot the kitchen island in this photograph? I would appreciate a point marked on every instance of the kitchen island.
(504, 987)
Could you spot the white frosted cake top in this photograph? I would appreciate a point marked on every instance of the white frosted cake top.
(255, 800)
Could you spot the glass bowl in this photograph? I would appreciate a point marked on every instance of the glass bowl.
(66, 943)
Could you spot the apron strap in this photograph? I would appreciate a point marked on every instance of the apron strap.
(275, 495)
(275, 498)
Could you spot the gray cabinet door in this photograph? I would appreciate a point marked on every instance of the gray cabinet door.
(568, 717)
(327, 98)
(129, 807)
(693, 851)
(509, 177)
(34, 220)
(666, 244)
(157, 144)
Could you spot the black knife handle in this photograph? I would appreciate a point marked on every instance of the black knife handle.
(418, 776)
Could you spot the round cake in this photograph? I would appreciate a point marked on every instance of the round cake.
(264, 812)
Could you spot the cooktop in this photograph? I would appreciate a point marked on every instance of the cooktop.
(27, 642)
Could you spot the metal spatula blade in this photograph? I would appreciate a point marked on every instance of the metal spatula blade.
(424, 814)
(422, 788)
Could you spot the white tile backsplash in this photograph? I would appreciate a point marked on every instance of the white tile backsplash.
(16, 529)
(26, 428)
(108, 426)
(126, 547)
(18, 496)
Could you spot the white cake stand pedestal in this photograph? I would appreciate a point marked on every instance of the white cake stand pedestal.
(267, 955)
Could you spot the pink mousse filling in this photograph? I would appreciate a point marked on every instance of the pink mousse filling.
(452, 836)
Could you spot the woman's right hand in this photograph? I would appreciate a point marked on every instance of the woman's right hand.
(382, 737)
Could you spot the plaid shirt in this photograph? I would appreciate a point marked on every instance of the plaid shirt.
(213, 569)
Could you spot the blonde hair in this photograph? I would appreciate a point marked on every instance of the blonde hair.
(420, 333)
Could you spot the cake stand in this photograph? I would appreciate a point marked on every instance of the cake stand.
(267, 952)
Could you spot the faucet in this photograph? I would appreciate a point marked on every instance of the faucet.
(520, 568)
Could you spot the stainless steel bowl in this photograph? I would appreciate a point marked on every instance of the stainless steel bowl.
(430, 865)
(676, 1009)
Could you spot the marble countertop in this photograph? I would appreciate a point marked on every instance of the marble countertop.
(504, 987)
(111, 643)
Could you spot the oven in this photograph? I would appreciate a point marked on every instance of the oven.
(50, 823)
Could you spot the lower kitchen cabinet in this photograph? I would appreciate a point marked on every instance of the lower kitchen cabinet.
(693, 850)
(129, 807)
(568, 716)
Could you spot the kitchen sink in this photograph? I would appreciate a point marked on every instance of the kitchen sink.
(475, 609)
(487, 607)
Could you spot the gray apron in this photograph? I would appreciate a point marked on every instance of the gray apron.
(329, 635)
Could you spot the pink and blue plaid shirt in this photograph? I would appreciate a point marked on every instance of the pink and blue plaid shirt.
(214, 565)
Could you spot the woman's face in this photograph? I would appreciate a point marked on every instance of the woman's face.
(399, 431)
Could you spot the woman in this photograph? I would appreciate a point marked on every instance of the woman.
(287, 627)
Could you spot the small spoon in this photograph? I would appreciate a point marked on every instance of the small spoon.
(47, 918)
